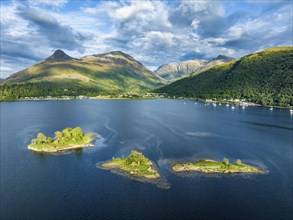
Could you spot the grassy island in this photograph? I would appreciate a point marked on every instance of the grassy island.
(212, 166)
(68, 139)
(135, 164)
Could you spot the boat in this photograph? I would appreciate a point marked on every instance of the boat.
(233, 107)
(214, 104)
(271, 108)
(227, 105)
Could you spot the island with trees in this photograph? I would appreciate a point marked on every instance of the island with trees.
(136, 164)
(212, 166)
(68, 139)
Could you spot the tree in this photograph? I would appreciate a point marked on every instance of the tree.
(238, 162)
(41, 137)
(49, 140)
(67, 133)
(226, 161)
(77, 133)
(58, 135)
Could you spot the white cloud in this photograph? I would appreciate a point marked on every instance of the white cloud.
(154, 32)
(52, 3)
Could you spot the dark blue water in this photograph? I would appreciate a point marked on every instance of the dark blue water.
(69, 186)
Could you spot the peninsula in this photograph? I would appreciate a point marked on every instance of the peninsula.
(212, 166)
(68, 139)
(135, 164)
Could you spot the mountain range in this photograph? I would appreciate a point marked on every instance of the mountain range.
(265, 77)
(108, 72)
(174, 71)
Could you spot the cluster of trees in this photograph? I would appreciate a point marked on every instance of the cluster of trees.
(265, 78)
(68, 134)
(20, 91)
(136, 158)
(226, 162)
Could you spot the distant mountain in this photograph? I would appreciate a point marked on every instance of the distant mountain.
(175, 71)
(214, 62)
(103, 73)
(265, 77)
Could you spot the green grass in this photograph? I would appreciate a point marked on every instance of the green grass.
(95, 75)
(211, 166)
(135, 164)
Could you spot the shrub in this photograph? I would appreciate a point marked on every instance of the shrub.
(41, 137)
(226, 161)
(238, 162)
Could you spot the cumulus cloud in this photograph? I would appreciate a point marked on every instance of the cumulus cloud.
(58, 35)
(270, 30)
(54, 3)
(154, 32)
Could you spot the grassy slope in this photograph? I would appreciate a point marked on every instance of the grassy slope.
(122, 73)
(265, 77)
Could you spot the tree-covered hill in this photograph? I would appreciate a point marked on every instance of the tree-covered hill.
(265, 77)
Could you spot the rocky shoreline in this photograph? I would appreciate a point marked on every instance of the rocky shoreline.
(212, 166)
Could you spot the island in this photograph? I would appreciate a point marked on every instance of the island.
(68, 139)
(212, 166)
(136, 164)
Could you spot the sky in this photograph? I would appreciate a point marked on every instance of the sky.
(153, 32)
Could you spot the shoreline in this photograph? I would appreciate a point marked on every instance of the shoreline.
(215, 167)
(109, 166)
(74, 147)
(250, 104)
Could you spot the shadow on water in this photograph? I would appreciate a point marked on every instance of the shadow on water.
(267, 125)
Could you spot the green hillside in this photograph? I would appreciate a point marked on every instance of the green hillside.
(264, 77)
(60, 74)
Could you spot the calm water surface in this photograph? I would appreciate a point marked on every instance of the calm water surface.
(69, 186)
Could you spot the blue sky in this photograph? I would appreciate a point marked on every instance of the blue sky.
(153, 32)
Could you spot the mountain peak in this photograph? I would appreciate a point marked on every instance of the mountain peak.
(121, 53)
(223, 57)
(59, 55)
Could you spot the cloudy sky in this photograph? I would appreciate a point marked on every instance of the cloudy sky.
(153, 32)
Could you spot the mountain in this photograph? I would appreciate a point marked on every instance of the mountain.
(175, 71)
(59, 55)
(214, 62)
(100, 73)
(265, 77)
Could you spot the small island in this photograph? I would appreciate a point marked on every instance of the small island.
(136, 164)
(212, 166)
(68, 139)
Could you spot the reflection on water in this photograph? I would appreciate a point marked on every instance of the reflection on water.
(69, 186)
